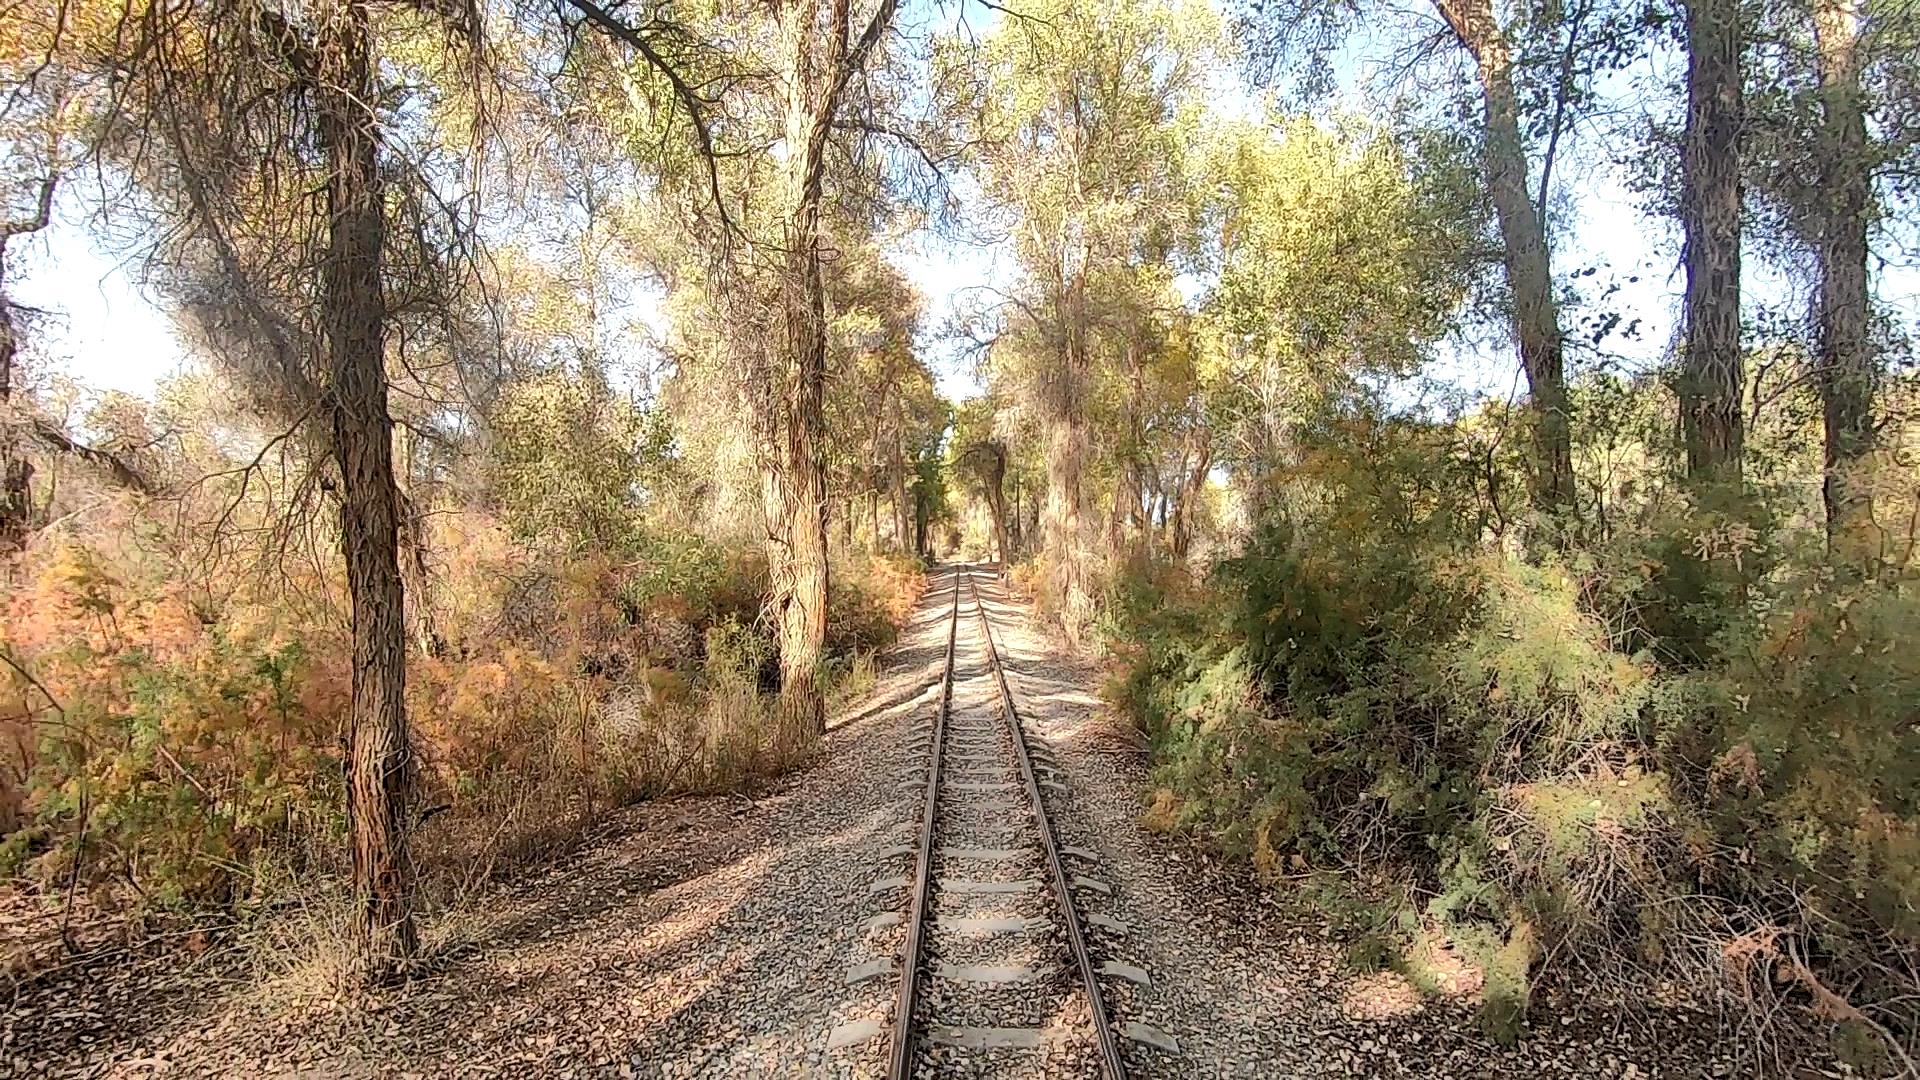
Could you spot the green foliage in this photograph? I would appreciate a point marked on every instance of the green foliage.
(1587, 755)
(574, 460)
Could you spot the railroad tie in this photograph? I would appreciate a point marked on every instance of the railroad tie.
(985, 854)
(986, 888)
(985, 973)
(854, 1032)
(976, 925)
(1126, 971)
(1150, 1035)
(992, 1038)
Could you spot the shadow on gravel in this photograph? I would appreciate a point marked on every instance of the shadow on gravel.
(906, 696)
(108, 1003)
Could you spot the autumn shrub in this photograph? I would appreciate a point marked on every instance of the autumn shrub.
(160, 736)
(1802, 751)
(1566, 763)
(873, 597)
(175, 726)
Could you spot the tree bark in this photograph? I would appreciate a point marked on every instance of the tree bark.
(16, 472)
(353, 313)
(1711, 374)
(1063, 518)
(819, 59)
(897, 492)
(1536, 315)
(1126, 498)
(993, 478)
(1190, 488)
(1846, 360)
(794, 481)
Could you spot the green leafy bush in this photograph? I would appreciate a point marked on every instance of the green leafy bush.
(1693, 752)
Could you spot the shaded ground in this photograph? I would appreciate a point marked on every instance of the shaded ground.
(710, 937)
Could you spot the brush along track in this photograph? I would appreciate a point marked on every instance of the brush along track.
(998, 979)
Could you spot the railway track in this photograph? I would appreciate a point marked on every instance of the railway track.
(997, 972)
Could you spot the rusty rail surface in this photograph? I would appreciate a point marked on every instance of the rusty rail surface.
(899, 1062)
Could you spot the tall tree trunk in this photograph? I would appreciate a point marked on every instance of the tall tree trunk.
(1190, 488)
(353, 313)
(1711, 374)
(897, 492)
(16, 472)
(416, 577)
(997, 507)
(1063, 519)
(794, 486)
(1016, 527)
(993, 478)
(1536, 316)
(922, 519)
(819, 60)
(1847, 362)
(1125, 499)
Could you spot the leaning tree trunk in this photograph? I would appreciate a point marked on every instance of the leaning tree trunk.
(1536, 316)
(353, 312)
(1711, 376)
(1846, 361)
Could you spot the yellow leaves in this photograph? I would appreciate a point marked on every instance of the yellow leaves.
(36, 32)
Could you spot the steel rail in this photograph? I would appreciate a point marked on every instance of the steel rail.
(900, 1058)
(1111, 1064)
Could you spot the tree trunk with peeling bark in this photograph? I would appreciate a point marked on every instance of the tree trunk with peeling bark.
(1063, 518)
(1711, 376)
(819, 58)
(1846, 354)
(353, 313)
(1536, 315)
(16, 472)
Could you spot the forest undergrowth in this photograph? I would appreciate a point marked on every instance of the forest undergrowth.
(1674, 747)
(176, 758)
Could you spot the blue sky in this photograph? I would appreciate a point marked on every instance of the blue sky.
(107, 335)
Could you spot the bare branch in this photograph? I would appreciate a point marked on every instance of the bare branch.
(690, 99)
(124, 474)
